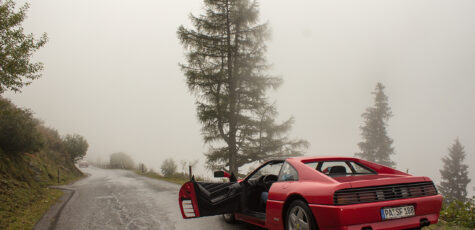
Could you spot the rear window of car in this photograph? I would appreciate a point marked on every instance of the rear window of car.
(340, 168)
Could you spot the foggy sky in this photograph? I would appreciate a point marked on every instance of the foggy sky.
(111, 74)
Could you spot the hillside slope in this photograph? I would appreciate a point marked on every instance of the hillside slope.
(30, 157)
(24, 195)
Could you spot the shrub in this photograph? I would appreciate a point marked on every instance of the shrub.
(168, 167)
(460, 213)
(18, 129)
(76, 146)
(51, 138)
(121, 161)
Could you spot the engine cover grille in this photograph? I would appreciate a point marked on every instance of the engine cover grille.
(383, 193)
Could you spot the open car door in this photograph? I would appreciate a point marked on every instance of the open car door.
(198, 199)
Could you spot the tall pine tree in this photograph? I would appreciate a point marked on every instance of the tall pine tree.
(376, 145)
(454, 174)
(226, 71)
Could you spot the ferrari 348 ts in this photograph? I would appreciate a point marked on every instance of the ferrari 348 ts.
(317, 193)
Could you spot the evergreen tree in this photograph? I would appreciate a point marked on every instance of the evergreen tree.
(376, 145)
(16, 49)
(226, 71)
(454, 174)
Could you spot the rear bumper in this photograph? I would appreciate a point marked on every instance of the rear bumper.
(358, 216)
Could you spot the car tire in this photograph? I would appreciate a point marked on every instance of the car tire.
(299, 216)
(229, 218)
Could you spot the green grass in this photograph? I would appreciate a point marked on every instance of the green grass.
(24, 196)
(26, 217)
(177, 179)
(442, 225)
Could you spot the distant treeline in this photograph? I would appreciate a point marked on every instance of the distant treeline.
(168, 168)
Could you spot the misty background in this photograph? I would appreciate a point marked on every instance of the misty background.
(111, 74)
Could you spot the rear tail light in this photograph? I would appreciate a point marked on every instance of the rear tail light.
(188, 208)
(381, 193)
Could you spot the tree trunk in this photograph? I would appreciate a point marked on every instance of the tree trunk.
(232, 97)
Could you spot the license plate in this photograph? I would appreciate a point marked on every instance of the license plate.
(397, 212)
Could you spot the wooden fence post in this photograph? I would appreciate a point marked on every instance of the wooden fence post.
(190, 172)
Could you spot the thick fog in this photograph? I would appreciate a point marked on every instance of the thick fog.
(111, 74)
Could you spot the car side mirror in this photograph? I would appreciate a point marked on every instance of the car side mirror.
(231, 176)
(218, 174)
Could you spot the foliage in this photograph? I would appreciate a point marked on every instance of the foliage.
(16, 49)
(226, 71)
(376, 145)
(168, 167)
(185, 163)
(30, 157)
(121, 160)
(76, 146)
(18, 129)
(460, 213)
(51, 138)
(177, 179)
(453, 185)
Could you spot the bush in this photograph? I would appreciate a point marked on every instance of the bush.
(51, 138)
(121, 161)
(76, 146)
(18, 130)
(168, 167)
(460, 213)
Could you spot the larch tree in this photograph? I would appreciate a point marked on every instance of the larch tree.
(376, 144)
(16, 49)
(226, 71)
(453, 185)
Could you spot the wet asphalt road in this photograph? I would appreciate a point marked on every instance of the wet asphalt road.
(118, 199)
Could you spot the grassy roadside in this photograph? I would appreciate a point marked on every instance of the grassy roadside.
(26, 218)
(24, 196)
(177, 179)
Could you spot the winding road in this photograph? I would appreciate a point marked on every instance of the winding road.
(119, 199)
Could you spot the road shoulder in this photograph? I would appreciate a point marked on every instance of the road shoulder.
(50, 218)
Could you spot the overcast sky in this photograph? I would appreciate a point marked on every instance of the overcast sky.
(111, 74)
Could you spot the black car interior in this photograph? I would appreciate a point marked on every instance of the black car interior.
(217, 198)
(337, 170)
(229, 197)
(253, 190)
(340, 168)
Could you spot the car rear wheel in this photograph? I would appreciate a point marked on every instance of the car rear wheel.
(229, 218)
(299, 217)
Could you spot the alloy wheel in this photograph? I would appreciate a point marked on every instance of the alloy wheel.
(298, 219)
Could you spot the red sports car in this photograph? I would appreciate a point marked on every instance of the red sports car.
(317, 193)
